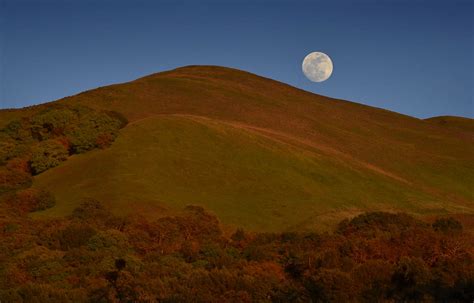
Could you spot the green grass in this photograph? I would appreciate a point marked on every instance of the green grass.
(161, 164)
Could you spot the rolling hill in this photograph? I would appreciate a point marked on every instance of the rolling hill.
(261, 154)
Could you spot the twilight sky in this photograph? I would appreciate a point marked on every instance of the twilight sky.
(414, 57)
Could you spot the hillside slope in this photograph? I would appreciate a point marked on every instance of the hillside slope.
(460, 123)
(261, 154)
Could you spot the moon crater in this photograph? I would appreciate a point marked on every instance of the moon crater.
(317, 66)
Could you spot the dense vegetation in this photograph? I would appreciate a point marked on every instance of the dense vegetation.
(36, 143)
(94, 256)
(74, 128)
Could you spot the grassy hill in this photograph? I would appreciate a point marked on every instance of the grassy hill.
(462, 124)
(261, 154)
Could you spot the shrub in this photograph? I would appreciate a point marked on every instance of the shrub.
(447, 225)
(33, 199)
(410, 279)
(104, 140)
(36, 293)
(90, 209)
(47, 154)
(18, 165)
(238, 235)
(123, 121)
(78, 127)
(75, 235)
(10, 227)
(13, 180)
(368, 224)
(200, 224)
(330, 285)
(109, 239)
(18, 130)
(92, 130)
(374, 277)
(52, 122)
(10, 149)
(7, 148)
(190, 251)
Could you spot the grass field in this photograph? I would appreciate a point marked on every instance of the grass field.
(262, 154)
(160, 164)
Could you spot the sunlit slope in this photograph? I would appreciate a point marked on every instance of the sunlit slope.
(247, 178)
(379, 158)
(427, 155)
(460, 123)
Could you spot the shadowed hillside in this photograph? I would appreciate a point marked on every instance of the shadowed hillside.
(260, 154)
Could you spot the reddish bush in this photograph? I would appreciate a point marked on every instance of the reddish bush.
(33, 199)
(12, 180)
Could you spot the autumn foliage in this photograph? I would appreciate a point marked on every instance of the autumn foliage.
(48, 137)
(95, 256)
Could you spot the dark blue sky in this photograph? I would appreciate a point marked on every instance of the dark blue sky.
(413, 57)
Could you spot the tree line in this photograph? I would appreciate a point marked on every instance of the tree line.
(95, 256)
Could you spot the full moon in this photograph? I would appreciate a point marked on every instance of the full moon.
(317, 67)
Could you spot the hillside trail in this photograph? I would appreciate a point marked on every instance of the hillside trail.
(286, 139)
(304, 144)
